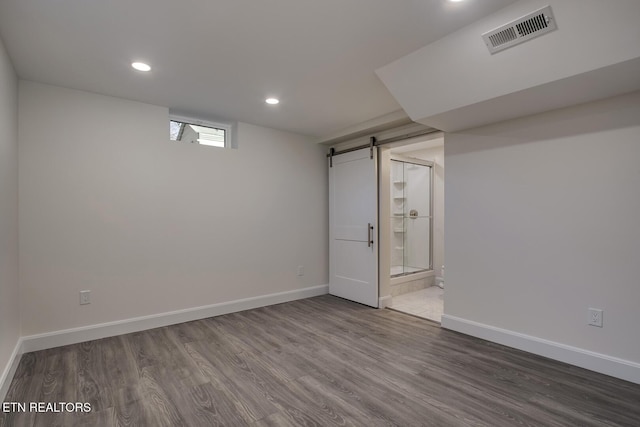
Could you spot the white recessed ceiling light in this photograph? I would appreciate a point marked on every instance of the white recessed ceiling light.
(455, 1)
(272, 101)
(141, 66)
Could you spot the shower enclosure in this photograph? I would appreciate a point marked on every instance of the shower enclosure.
(411, 216)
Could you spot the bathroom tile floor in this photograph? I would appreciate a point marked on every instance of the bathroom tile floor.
(427, 303)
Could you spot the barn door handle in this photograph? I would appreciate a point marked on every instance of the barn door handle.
(369, 235)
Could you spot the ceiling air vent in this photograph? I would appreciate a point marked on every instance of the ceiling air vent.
(519, 31)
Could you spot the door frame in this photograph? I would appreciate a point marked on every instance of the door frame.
(384, 211)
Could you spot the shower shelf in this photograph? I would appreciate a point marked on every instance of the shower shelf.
(399, 197)
(398, 230)
(399, 182)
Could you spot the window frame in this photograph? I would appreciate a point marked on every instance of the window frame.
(228, 128)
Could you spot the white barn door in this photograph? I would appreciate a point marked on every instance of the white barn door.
(353, 224)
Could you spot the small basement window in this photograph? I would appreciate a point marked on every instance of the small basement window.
(199, 132)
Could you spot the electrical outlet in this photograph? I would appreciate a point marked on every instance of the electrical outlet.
(300, 270)
(595, 317)
(85, 297)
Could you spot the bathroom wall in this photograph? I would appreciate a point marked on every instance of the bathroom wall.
(397, 221)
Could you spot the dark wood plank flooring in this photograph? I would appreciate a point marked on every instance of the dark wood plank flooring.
(317, 362)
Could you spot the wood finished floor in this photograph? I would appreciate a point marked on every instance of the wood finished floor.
(317, 362)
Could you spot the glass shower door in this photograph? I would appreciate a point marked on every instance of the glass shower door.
(411, 217)
(417, 218)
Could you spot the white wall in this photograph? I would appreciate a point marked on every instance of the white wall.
(109, 204)
(9, 301)
(542, 223)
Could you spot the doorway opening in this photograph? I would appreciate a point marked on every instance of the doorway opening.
(412, 226)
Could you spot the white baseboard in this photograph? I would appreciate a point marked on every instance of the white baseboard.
(384, 301)
(10, 369)
(608, 365)
(110, 329)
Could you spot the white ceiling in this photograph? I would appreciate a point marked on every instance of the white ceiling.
(221, 59)
(548, 72)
